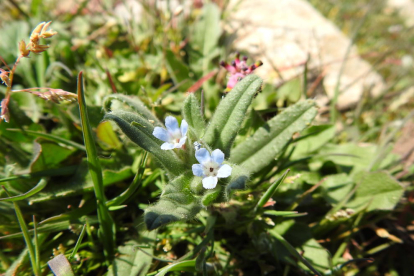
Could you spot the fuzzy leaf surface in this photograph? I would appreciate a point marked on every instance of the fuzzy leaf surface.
(192, 114)
(139, 130)
(263, 147)
(230, 114)
(177, 202)
(134, 103)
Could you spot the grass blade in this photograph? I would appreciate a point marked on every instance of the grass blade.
(293, 251)
(26, 236)
(136, 183)
(78, 243)
(49, 137)
(107, 229)
(270, 191)
(36, 244)
(40, 186)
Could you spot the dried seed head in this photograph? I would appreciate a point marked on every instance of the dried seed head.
(58, 96)
(40, 32)
(23, 49)
(4, 76)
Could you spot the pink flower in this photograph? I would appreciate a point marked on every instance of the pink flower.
(238, 70)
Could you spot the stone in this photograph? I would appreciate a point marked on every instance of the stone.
(284, 33)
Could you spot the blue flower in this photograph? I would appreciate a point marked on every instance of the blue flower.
(174, 137)
(210, 167)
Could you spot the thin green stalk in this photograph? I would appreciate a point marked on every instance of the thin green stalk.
(78, 243)
(26, 235)
(107, 229)
(36, 244)
(136, 183)
(269, 193)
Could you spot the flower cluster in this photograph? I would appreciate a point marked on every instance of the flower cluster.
(238, 70)
(210, 167)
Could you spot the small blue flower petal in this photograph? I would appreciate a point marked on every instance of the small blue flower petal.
(184, 127)
(198, 170)
(171, 124)
(161, 134)
(210, 182)
(167, 146)
(224, 171)
(202, 155)
(217, 156)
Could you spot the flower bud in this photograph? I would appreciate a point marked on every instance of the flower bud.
(23, 49)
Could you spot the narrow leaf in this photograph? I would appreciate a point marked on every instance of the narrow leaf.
(106, 229)
(293, 251)
(49, 137)
(134, 103)
(141, 134)
(180, 266)
(230, 114)
(26, 235)
(192, 114)
(42, 183)
(266, 144)
(270, 191)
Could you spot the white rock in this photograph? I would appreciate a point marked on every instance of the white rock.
(282, 33)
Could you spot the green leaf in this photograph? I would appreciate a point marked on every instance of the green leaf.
(237, 180)
(176, 203)
(206, 34)
(266, 144)
(336, 187)
(134, 103)
(269, 192)
(106, 134)
(131, 260)
(141, 134)
(290, 91)
(313, 255)
(210, 196)
(49, 137)
(81, 181)
(315, 138)
(60, 266)
(230, 113)
(107, 228)
(42, 184)
(26, 235)
(179, 72)
(192, 115)
(48, 155)
(379, 189)
(179, 266)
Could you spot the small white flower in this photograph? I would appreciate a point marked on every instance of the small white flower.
(210, 167)
(174, 137)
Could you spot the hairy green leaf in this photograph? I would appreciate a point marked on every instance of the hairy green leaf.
(139, 130)
(134, 103)
(192, 114)
(177, 202)
(230, 114)
(265, 145)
